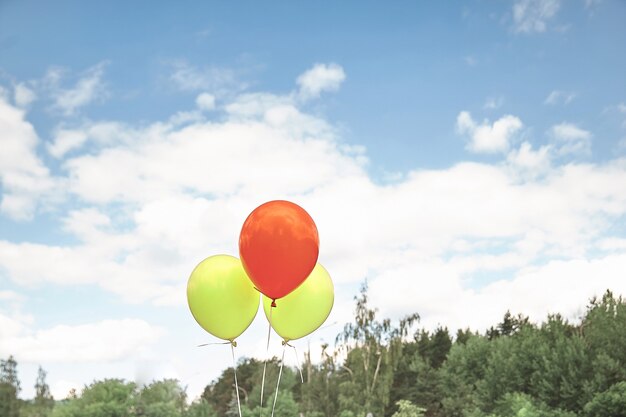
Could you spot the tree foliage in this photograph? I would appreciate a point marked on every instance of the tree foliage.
(373, 351)
(9, 388)
(516, 368)
(407, 409)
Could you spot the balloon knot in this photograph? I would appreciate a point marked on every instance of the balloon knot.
(285, 342)
(273, 303)
(233, 343)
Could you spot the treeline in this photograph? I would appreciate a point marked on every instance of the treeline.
(517, 368)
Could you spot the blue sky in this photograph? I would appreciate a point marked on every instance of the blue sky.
(465, 157)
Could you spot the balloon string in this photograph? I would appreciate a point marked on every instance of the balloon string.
(233, 343)
(232, 349)
(280, 372)
(267, 350)
(297, 359)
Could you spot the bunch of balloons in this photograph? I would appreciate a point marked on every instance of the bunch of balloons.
(278, 247)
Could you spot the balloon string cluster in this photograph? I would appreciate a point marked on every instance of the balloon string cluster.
(267, 350)
(286, 343)
(233, 345)
(278, 254)
(230, 342)
(280, 373)
(232, 349)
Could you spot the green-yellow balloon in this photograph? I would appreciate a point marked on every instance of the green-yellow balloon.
(303, 310)
(221, 297)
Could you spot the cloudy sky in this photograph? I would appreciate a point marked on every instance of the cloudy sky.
(464, 158)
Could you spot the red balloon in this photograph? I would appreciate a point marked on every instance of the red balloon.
(278, 247)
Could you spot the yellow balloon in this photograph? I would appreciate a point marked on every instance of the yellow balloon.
(221, 297)
(303, 310)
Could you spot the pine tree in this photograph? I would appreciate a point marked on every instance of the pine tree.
(43, 399)
(9, 388)
(440, 345)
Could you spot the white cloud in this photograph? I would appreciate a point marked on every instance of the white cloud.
(61, 388)
(86, 223)
(137, 271)
(571, 139)
(249, 154)
(99, 134)
(245, 157)
(150, 261)
(428, 288)
(19, 142)
(11, 300)
(187, 77)
(23, 176)
(151, 201)
(532, 15)
(106, 340)
(205, 101)
(177, 182)
(9, 295)
(559, 97)
(613, 244)
(88, 88)
(24, 95)
(530, 163)
(569, 131)
(65, 140)
(486, 137)
(320, 78)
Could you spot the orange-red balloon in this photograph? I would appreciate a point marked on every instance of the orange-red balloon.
(278, 247)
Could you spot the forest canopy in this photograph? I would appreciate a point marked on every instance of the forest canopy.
(516, 368)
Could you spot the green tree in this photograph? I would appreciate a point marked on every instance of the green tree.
(200, 408)
(522, 405)
(107, 398)
(373, 349)
(319, 393)
(563, 366)
(517, 369)
(285, 406)
(550, 364)
(462, 336)
(407, 409)
(427, 387)
(9, 388)
(604, 331)
(440, 345)
(405, 377)
(288, 382)
(221, 392)
(43, 403)
(508, 326)
(609, 403)
(161, 399)
(462, 373)
(502, 372)
(415, 380)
